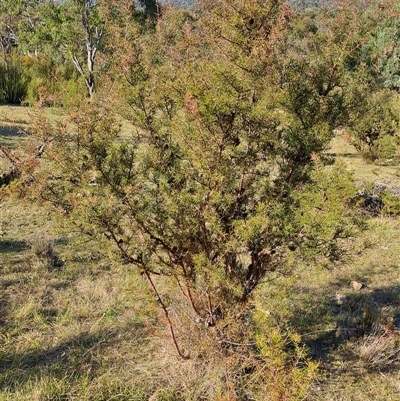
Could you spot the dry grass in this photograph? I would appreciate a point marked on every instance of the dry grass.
(344, 327)
(64, 330)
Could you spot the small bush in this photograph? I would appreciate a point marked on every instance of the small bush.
(13, 80)
(360, 314)
(376, 134)
(392, 203)
(286, 372)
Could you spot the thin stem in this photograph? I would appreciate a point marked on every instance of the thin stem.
(166, 314)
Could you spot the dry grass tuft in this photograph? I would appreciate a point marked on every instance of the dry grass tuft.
(380, 350)
(44, 253)
(359, 316)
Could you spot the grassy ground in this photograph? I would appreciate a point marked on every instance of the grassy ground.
(72, 327)
(355, 333)
(70, 323)
(14, 121)
(369, 172)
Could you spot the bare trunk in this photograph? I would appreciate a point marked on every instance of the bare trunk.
(92, 39)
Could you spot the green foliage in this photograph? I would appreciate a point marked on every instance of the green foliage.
(391, 203)
(52, 85)
(63, 32)
(13, 80)
(41, 86)
(371, 31)
(291, 373)
(380, 50)
(376, 134)
(325, 217)
(215, 187)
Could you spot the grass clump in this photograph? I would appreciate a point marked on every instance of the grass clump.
(44, 253)
(380, 349)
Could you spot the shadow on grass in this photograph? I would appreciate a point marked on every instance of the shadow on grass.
(7, 246)
(355, 316)
(61, 241)
(3, 310)
(347, 155)
(11, 131)
(74, 358)
(387, 296)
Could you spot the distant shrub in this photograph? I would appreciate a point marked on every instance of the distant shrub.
(42, 87)
(13, 80)
(376, 134)
(48, 84)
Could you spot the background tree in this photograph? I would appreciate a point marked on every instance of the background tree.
(60, 31)
(83, 34)
(371, 69)
(15, 19)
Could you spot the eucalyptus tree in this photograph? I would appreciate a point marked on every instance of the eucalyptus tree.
(82, 34)
(27, 23)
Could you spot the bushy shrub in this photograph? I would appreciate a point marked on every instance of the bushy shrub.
(376, 133)
(391, 203)
(49, 84)
(13, 80)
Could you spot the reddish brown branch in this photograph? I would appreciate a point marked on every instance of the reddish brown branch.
(166, 314)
